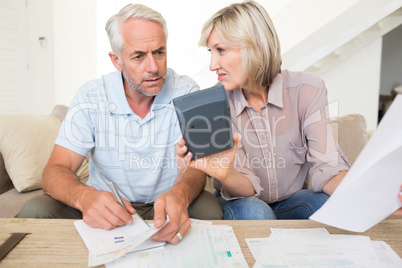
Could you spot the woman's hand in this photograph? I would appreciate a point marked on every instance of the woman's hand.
(182, 157)
(218, 165)
(399, 211)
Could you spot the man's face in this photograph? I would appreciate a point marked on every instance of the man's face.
(143, 58)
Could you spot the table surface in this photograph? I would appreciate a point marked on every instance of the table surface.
(56, 243)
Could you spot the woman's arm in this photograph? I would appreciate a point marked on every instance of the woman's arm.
(331, 185)
(220, 167)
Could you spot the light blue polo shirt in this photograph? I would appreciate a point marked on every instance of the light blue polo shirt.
(136, 154)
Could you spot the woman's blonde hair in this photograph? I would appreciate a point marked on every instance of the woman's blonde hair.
(247, 26)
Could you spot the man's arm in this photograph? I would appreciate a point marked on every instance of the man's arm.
(99, 208)
(174, 203)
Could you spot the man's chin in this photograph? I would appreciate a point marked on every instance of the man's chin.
(151, 91)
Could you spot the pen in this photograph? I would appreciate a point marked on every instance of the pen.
(116, 195)
(118, 198)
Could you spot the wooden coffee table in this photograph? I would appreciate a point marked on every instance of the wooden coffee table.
(56, 243)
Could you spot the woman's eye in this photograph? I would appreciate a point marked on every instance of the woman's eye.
(220, 50)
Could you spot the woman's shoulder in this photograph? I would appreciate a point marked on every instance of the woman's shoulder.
(292, 79)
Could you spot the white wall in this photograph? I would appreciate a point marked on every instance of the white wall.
(66, 58)
(41, 56)
(300, 19)
(353, 85)
(75, 46)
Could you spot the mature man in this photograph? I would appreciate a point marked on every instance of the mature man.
(126, 122)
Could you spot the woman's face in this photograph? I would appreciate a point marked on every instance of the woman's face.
(225, 61)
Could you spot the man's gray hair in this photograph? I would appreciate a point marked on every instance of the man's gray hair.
(131, 11)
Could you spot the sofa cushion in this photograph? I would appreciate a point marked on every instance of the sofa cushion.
(26, 143)
(350, 132)
(12, 201)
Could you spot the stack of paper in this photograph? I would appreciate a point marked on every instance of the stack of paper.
(317, 248)
(210, 246)
(105, 246)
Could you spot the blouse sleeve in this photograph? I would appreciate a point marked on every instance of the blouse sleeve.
(324, 155)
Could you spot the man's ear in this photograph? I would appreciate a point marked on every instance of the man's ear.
(116, 61)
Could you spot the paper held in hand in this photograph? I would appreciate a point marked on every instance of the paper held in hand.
(369, 192)
(107, 245)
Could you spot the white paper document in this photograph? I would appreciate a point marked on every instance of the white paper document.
(386, 255)
(108, 245)
(297, 247)
(369, 192)
(315, 247)
(204, 246)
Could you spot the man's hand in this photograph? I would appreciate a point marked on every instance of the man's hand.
(100, 210)
(174, 205)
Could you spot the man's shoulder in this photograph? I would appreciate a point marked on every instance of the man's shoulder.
(96, 88)
(180, 84)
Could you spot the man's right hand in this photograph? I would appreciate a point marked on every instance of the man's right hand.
(101, 210)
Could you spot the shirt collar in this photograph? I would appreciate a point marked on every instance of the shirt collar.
(165, 96)
(275, 96)
(115, 94)
(275, 92)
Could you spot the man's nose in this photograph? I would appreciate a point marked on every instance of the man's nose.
(151, 64)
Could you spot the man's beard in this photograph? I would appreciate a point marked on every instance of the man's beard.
(137, 85)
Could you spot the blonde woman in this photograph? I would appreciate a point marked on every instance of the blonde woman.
(284, 133)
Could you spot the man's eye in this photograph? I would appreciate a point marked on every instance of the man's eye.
(138, 57)
(220, 50)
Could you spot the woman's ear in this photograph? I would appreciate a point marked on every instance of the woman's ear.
(116, 61)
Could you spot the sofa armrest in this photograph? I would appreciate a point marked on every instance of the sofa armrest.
(5, 181)
(59, 111)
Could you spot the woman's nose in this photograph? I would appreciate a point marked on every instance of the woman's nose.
(214, 64)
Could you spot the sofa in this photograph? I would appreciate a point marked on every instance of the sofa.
(26, 142)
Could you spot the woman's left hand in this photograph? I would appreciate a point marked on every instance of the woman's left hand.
(218, 165)
(182, 157)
